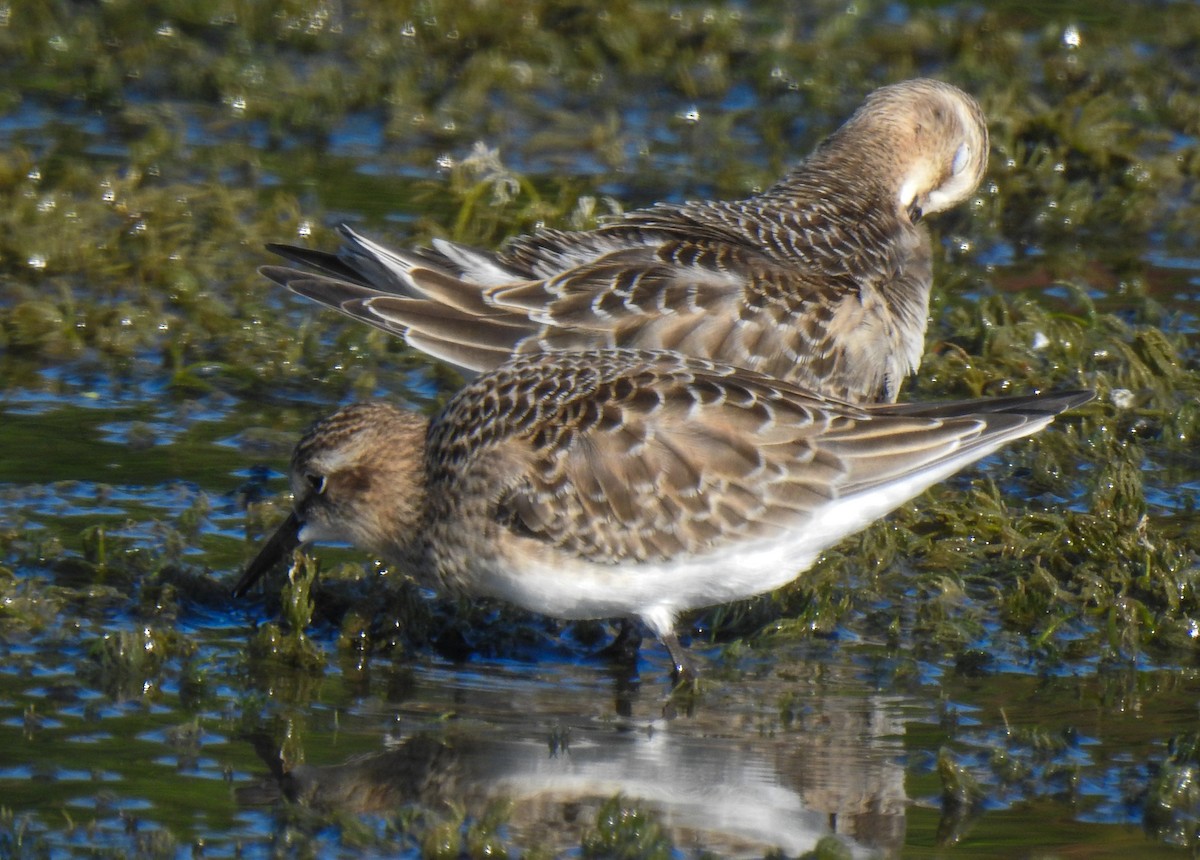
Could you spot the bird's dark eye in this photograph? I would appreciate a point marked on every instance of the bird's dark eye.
(317, 482)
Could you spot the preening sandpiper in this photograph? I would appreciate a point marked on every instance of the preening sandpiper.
(822, 280)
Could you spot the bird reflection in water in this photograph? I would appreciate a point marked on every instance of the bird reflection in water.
(835, 772)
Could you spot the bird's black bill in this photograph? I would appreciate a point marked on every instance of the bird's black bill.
(280, 544)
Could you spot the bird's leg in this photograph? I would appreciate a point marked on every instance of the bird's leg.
(685, 692)
(624, 647)
(628, 641)
(683, 668)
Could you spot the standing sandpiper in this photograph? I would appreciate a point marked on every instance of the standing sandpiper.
(626, 483)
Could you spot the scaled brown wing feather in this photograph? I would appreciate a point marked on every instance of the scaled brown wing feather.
(710, 300)
(626, 299)
(679, 456)
(673, 460)
(695, 295)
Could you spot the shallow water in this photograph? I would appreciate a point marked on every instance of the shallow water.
(154, 385)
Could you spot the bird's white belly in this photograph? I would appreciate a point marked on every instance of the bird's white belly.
(538, 580)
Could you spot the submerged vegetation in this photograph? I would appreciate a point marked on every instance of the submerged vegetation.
(154, 384)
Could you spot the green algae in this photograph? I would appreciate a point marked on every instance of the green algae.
(624, 831)
(128, 664)
(1173, 800)
(286, 642)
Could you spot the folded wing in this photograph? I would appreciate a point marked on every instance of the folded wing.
(651, 456)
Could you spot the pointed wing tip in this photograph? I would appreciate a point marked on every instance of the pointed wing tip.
(281, 275)
(1057, 402)
(1080, 397)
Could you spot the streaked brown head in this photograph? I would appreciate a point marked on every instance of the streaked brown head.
(931, 135)
(357, 476)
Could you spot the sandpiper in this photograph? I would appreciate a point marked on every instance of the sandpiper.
(624, 483)
(822, 280)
